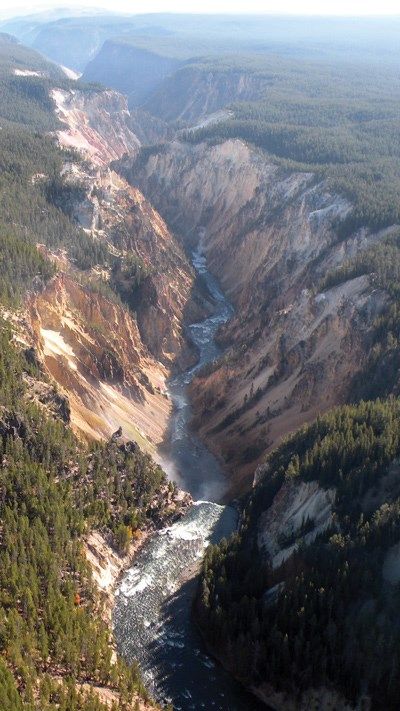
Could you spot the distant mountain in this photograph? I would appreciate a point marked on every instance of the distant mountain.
(74, 40)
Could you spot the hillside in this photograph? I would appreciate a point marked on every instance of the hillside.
(74, 40)
(56, 650)
(301, 604)
(294, 346)
(110, 63)
(203, 269)
(63, 324)
(105, 237)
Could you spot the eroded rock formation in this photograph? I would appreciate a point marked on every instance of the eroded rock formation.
(270, 236)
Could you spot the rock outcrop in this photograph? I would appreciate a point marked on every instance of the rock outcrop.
(194, 92)
(133, 70)
(113, 212)
(110, 362)
(299, 513)
(93, 350)
(98, 124)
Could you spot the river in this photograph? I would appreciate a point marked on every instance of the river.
(152, 616)
(186, 459)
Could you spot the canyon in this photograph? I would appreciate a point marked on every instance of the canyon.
(113, 365)
(288, 351)
(200, 296)
(293, 347)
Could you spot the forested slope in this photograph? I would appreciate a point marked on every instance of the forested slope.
(56, 652)
(33, 196)
(304, 598)
(341, 125)
(53, 642)
(296, 195)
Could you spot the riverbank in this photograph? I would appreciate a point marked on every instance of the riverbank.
(108, 565)
(185, 458)
(152, 616)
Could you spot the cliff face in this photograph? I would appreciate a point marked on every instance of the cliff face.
(93, 350)
(112, 364)
(167, 297)
(191, 93)
(97, 124)
(115, 213)
(113, 66)
(169, 88)
(269, 236)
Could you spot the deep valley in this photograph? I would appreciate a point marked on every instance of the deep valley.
(199, 363)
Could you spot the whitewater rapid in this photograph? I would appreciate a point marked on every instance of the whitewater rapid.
(152, 616)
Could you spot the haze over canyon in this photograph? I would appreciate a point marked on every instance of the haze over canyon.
(199, 362)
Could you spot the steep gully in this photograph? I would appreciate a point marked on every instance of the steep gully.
(152, 617)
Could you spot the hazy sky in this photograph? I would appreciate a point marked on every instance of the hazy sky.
(317, 7)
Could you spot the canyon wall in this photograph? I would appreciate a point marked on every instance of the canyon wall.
(93, 350)
(112, 362)
(96, 124)
(117, 214)
(269, 234)
(195, 91)
(112, 66)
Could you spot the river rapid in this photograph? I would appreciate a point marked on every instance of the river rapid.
(152, 616)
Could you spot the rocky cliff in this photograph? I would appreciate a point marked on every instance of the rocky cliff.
(193, 92)
(93, 350)
(115, 213)
(97, 124)
(131, 69)
(269, 235)
(111, 363)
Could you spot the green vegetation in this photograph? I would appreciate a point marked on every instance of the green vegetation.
(350, 448)
(127, 275)
(54, 489)
(25, 100)
(381, 263)
(20, 265)
(55, 647)
(120, 487)
(341, 125)
(35, 201)
(31, 210)
(329, 618)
